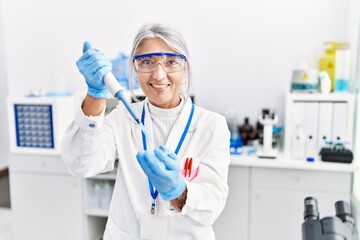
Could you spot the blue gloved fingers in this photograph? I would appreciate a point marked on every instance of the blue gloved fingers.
(169, 152)
(150, 164)
(140, 156)
(156, 166)
(94, 65)
(168, 182)
(102, 70)
(171, 163)
(90, 66)
(91, 56)
(86, 46)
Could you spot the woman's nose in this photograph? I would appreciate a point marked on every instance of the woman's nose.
(159, 72)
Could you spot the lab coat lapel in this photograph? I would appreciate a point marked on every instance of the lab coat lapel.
(179, 126)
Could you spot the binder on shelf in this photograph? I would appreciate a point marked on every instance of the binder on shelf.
(325, 123)
(312, 120)
(339, 122)
(311, 129)
(298, 138)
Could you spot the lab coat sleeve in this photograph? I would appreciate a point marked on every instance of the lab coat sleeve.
(208, 192)
(88, 146)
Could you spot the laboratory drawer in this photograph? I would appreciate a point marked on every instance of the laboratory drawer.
(239, 175)
(301, 179)
(33, 163)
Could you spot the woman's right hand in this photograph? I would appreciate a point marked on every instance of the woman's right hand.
(94, 65)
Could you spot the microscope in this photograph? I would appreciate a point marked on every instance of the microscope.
(268, 120)
(340, 227)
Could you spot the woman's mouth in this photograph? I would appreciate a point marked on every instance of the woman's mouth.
(159, 86)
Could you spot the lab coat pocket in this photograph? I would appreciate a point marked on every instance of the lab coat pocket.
(190, 168)
(113, 232)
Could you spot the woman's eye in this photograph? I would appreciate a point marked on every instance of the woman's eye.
(146, 62)
(172, 62)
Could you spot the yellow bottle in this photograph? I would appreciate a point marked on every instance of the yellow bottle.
(327, 61)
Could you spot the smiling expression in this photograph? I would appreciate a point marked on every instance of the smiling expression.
(161, 88)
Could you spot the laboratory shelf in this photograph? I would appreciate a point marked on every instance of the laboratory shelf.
(97, 212)
(105, 176)
(98, 193)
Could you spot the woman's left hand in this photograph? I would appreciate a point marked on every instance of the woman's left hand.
(163, 174)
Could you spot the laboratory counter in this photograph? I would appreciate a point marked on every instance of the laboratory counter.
(285, 162)
(264, 194)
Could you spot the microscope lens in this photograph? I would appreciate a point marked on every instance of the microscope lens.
(343, 212)
(342, 207)
(311, 208)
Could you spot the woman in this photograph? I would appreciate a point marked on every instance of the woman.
(173, 186)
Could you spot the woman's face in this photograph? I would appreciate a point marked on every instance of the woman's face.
(161, 88)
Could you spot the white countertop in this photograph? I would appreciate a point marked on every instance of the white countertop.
(3, 166)
(288, 163)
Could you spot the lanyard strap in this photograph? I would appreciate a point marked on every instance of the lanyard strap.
(154, 193)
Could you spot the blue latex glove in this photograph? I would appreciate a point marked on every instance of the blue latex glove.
(163, 170)
(93, 65)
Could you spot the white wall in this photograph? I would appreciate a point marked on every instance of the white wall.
(4, 145)
(242, 52)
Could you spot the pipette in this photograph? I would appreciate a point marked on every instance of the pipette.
(116, 90)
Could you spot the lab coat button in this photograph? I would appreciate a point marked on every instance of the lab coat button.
(92, 125)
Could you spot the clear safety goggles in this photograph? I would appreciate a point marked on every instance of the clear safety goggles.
(147, 63)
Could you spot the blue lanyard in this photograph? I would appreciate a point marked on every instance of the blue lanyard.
(154, 193)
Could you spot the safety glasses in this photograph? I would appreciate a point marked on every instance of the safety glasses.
(170, 62)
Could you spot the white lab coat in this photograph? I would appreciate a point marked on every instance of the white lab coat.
(91, 145)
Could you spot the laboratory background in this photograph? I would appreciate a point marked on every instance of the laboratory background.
(284, 73)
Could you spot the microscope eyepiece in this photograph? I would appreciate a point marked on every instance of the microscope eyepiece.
(311, 209)
(341, 226)
(343, 212)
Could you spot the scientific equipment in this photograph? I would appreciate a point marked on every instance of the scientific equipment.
(115, 88)
(336, 153)
(246, 131)
(325, 82)
(342, 67)
(268, 120)
(305, 80)
(327, 62)
(235, 139)
(340, 227)
(37, 124)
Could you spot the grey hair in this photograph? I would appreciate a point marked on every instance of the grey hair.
(173, 38)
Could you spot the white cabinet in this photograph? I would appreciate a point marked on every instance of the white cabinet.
(229, 227)
(46, 201)
(314, 119)
(277, 199)
(266, 197)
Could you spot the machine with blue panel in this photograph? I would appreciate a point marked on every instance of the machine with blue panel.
(42, 191)
(36, 124)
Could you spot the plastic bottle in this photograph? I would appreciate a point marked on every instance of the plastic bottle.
(327, 61)
(235, 138)
(325, 82)
(342, 68)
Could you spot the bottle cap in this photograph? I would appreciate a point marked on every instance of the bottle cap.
(310, 159)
